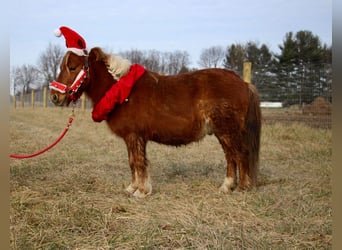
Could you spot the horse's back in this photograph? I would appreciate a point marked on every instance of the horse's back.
(192, 87)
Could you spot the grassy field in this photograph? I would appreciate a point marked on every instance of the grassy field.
(72, 197)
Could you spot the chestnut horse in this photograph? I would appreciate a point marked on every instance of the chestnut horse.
(175, 110)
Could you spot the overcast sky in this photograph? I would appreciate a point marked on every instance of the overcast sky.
(189, 25)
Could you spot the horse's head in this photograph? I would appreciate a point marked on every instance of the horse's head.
(68, 85)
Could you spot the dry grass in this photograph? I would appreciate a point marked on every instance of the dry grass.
(72, 197)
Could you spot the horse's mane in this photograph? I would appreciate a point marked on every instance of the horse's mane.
(116, 65)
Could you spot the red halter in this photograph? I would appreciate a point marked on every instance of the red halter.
(72, 90)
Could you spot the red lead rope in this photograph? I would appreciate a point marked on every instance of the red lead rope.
(47, 148)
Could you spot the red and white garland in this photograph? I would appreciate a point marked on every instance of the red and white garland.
(118, 93)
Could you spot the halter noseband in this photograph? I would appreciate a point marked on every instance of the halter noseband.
(72, 90)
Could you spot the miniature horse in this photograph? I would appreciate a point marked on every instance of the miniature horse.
(175, 110)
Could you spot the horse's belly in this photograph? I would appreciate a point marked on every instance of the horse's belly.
(179, 131)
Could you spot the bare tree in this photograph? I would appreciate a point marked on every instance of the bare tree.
(49, 62)
(153, 60)
(169, 63)
(134, 56)
(211, 57)
(176, 61)
(25, 78)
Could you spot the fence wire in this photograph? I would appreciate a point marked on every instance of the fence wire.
(304, 93)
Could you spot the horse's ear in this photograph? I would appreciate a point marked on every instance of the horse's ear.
(96, 54)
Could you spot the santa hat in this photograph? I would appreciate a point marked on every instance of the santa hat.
(74, 41)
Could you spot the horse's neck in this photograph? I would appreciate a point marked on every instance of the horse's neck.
(99, 82)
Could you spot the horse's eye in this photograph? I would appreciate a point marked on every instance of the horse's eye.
(72, 69)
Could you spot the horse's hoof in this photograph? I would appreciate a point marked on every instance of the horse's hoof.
(242, 188)
(225, 190)
(140, 195)
(131, 189)
(228, 185)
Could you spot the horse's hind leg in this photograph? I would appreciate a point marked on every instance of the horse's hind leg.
(229, 182)
(140, 185)
(236, 154)
(245, 182)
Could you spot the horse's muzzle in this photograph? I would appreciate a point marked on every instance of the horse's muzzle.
(54, 98)
(58, 100)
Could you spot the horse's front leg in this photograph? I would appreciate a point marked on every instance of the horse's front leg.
(140, 186)
(134, 184)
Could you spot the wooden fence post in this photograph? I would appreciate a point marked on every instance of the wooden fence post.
(247, 72)
(83, 103)
(32, 98)
(15, 101)
(22, 99)
(44, 97)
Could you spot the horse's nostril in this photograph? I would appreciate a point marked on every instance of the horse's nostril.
(54, 98)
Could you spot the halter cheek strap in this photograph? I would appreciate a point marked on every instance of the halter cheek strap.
(62, 88)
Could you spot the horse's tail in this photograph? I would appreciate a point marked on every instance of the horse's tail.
(253, 132)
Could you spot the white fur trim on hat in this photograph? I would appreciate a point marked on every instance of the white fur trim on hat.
(79, 52)
(57, 32)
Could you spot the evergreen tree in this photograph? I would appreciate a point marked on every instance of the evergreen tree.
(262, 66)
(235, 57)
(301, 67)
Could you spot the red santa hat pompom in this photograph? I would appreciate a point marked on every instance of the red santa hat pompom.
(74, 42)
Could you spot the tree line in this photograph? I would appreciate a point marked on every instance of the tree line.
(300, 67)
